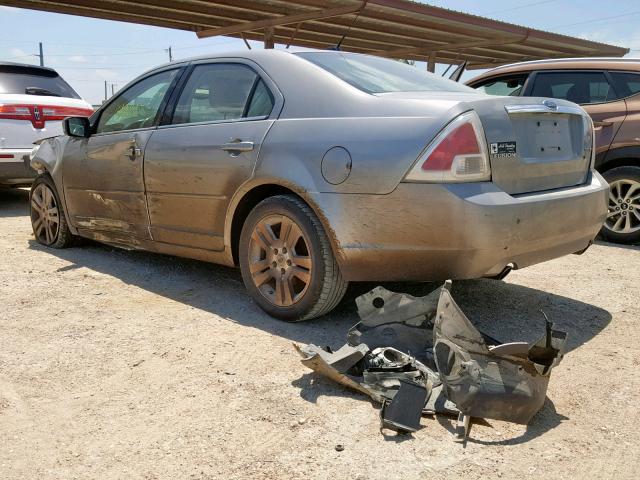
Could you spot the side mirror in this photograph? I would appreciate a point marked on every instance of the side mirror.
(76, 127)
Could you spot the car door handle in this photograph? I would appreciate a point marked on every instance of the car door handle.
(602, 124)
(134, 152)
(237, 146)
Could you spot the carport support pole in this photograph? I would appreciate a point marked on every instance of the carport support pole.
(268, 37)
(431, 63)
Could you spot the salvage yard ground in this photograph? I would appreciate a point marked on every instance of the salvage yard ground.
(118, 364)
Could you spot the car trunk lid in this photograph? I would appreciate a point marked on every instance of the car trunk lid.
(536, 144)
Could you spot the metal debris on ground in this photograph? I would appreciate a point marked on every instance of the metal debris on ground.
(422, 355)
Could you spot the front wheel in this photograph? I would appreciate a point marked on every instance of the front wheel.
(48, 218)
(623, 219)
(286, 260)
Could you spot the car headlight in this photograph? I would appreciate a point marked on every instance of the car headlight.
(34, 150)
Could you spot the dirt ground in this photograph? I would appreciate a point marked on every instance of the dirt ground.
(118, 364)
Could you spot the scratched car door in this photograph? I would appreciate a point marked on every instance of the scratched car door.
(103, 179)
(196, 162)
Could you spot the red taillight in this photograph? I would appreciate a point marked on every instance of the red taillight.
(461, 141)
(15, 112)
(60, 113)
(457, 154)
(39, 114)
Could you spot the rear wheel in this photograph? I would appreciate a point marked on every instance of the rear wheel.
(48, 218)
(286, 260)
(623, 218)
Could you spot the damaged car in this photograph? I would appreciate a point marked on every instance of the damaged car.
(310, 170)
(422, 355)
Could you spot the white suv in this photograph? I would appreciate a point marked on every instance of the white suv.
(33, 102)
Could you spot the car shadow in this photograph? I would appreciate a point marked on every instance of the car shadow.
(14, 202)
(503, 310)
(618, 245)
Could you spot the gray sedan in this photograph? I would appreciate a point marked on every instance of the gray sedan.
(310, 170)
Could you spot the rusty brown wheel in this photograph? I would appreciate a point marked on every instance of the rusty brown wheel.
(47, 215)
(287, 262)
(279, 260)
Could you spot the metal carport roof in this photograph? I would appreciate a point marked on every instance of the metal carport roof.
(392, 28)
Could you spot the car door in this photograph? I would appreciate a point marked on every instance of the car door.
(627, 85)
(103, 174)
(197, 160)
(592, 90)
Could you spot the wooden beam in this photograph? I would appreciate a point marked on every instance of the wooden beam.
(431, 63)
(447, 47)
(268, 37)
(273, 22)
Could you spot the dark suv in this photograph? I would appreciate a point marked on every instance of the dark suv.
(609, 90)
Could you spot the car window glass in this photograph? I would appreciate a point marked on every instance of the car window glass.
(506, 86)
(381, 75)
(137, 106)
(626, 83)
(33, 81)
(261, 102)
(577, 87)
(215, 92)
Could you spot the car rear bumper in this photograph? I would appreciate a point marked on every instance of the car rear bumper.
(438, 231)
(14, 167)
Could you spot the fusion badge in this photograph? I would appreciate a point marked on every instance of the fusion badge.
(503, 149)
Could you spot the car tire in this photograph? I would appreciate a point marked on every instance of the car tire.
(624, 205)
(48, 218)
(286, 260)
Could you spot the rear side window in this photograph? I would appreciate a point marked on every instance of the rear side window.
(261, 102)
(505, 86)
(577, 87)
(221, 91)
(626, 83)
(33, 81)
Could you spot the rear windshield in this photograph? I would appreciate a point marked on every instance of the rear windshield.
(381, 75)
(33, 81)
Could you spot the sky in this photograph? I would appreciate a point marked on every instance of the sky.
(87, 52)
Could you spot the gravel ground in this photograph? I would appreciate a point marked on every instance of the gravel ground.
(118, 364)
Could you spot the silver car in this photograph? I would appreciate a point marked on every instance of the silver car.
(314, 169)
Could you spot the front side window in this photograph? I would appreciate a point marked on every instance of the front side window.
(381, 75)
(626, 83)
(222, 92)
(138, 106)
(504, 86)
(577, 87)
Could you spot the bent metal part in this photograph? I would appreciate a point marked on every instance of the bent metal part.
(439, 361)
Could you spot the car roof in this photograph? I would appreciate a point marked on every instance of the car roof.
(564, 64)
(253, 54)
(27, 65)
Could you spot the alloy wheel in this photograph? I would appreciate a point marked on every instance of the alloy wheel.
(279, 260)
(45, 216)
(624, 206)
